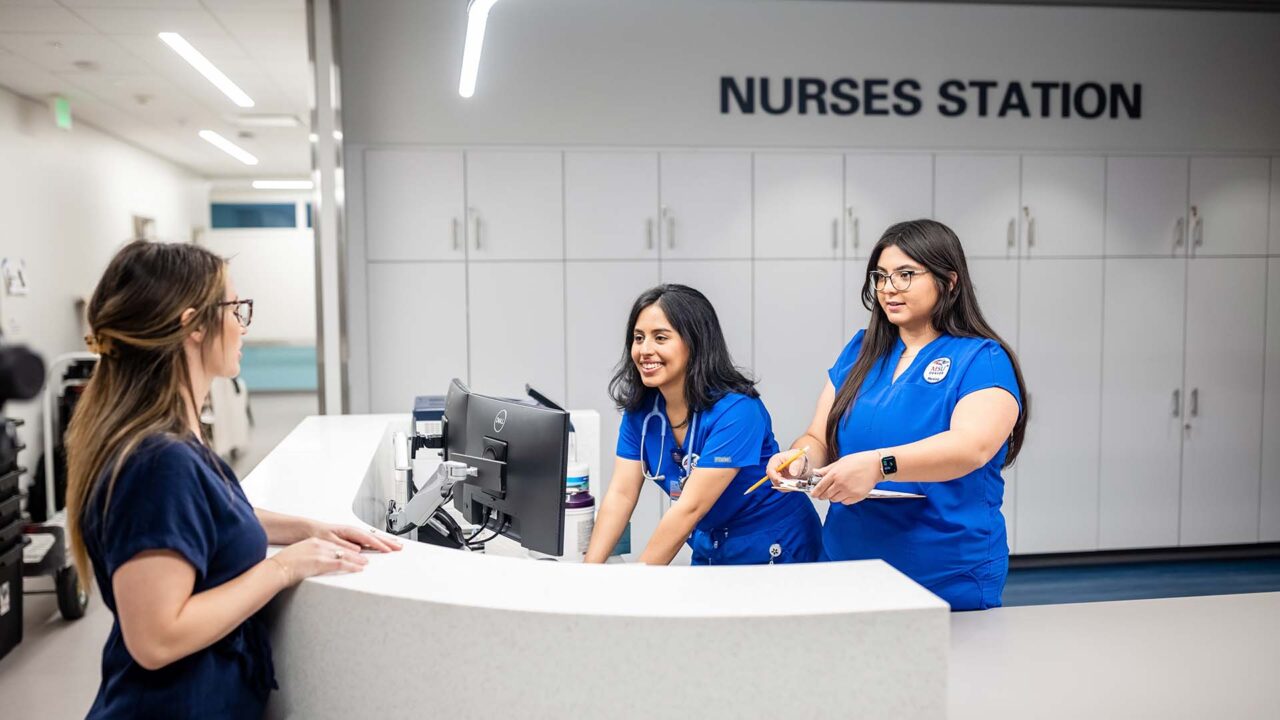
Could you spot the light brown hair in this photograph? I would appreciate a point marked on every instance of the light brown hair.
(141, 386)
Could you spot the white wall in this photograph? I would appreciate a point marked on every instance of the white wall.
(275, 267)
(66, 203)
(571, 72)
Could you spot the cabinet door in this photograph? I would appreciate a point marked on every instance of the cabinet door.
(793, 373)
(517, 328)
(797, 205)
(977, 197)
(1221, 448)
(1062, 201)
(706, 205)
(1275, 206)
(1229, 205)
(405, 361)
(881, 190)
(413, 205)
(727, 284)
(995, 282)
(1142, 402)
(1270, 493)
(856, 315)
(514, 205)
(600, 295)
(1060, 347)
(1147, 206)
(610, 205)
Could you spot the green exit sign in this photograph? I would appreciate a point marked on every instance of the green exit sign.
(62, 113)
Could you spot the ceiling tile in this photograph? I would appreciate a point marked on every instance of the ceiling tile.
(53, 19)
(151, 4)
(59, 53)
(141, 21)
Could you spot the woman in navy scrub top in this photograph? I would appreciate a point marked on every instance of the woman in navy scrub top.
(176, 549)
(929, 400)
(694, 425)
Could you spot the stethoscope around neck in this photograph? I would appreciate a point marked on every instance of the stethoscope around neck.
(686, 465)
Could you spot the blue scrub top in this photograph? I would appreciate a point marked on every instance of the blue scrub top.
(958, 529)
(170, 496)
(736, 432)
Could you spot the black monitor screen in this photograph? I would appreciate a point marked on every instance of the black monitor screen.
(520, 451)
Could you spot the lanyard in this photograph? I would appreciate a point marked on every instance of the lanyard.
(690, 458)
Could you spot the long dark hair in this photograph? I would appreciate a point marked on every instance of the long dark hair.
(710, 373)
(956, 313)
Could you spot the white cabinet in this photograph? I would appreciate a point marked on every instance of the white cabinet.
(1270, 492)
(706, 205)
(611, 205)
(1146, 206)
(600, 295)
(408, 357)
(1060, 348)
(514, 205)
(995, 282)
(1221, 449)
(977, 197)
(797, 205)
(414, 205)
(856, 315)
(517, 333)
(881, 190)
(1229, 205)
(1062, 201)
(798, 335)
(727, 284)
(1275, 206)
(1142, 402)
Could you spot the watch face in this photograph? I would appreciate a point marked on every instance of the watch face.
(889, 465)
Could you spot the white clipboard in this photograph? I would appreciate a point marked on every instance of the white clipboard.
(875, 494)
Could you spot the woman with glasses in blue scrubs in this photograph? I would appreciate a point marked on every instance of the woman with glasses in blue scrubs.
(928, 400)
(696, 426)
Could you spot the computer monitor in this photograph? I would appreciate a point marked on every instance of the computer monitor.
(520, 450)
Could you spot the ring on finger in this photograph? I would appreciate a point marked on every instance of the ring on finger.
(337, 554)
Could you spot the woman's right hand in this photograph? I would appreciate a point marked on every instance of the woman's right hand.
(314, 556)
(794, 470)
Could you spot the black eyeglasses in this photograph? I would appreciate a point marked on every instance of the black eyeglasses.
(243, 311)
(900, 279)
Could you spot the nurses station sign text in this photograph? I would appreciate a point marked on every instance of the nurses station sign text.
(949, 99)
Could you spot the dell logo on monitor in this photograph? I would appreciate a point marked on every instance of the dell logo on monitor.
(500, 421)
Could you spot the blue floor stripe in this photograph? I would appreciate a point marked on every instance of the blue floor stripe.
(1135, 581)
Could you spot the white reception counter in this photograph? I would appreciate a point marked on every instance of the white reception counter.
(457, 634)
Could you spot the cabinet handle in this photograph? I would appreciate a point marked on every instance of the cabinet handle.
(476, 215)
(1177, 403)
(1031, 226)
(1195, 402)
(1011, 239)
(455, 233)
(648, 233)
(835, 234)
(1179, 233)
(853, 225)
(671, 227)
(1197, 232)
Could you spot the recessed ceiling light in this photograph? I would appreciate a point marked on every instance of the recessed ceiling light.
(477, 18)
(267, 121)
(228, 147)
(206, 68)
(282, 185)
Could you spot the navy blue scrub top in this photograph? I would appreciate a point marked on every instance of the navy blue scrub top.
(958, 528)
(736, 432)
(170, 496)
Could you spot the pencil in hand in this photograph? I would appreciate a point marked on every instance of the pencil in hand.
(794, 457)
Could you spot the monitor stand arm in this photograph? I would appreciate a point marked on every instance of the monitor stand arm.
(427, 501)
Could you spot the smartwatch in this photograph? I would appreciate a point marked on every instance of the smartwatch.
(888, 465)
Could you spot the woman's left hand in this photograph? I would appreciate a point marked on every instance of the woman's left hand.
(355, 539)
(849, 479)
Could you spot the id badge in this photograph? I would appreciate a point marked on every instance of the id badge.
(674, 488)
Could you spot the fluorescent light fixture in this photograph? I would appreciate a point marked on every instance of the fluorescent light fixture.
(206, 68)
(282, 185)
(228, 147)
(477, 17)
(267, 121)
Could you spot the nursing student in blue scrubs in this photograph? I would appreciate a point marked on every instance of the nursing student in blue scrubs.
(695, 425)
(929, 400)
(176, 549)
